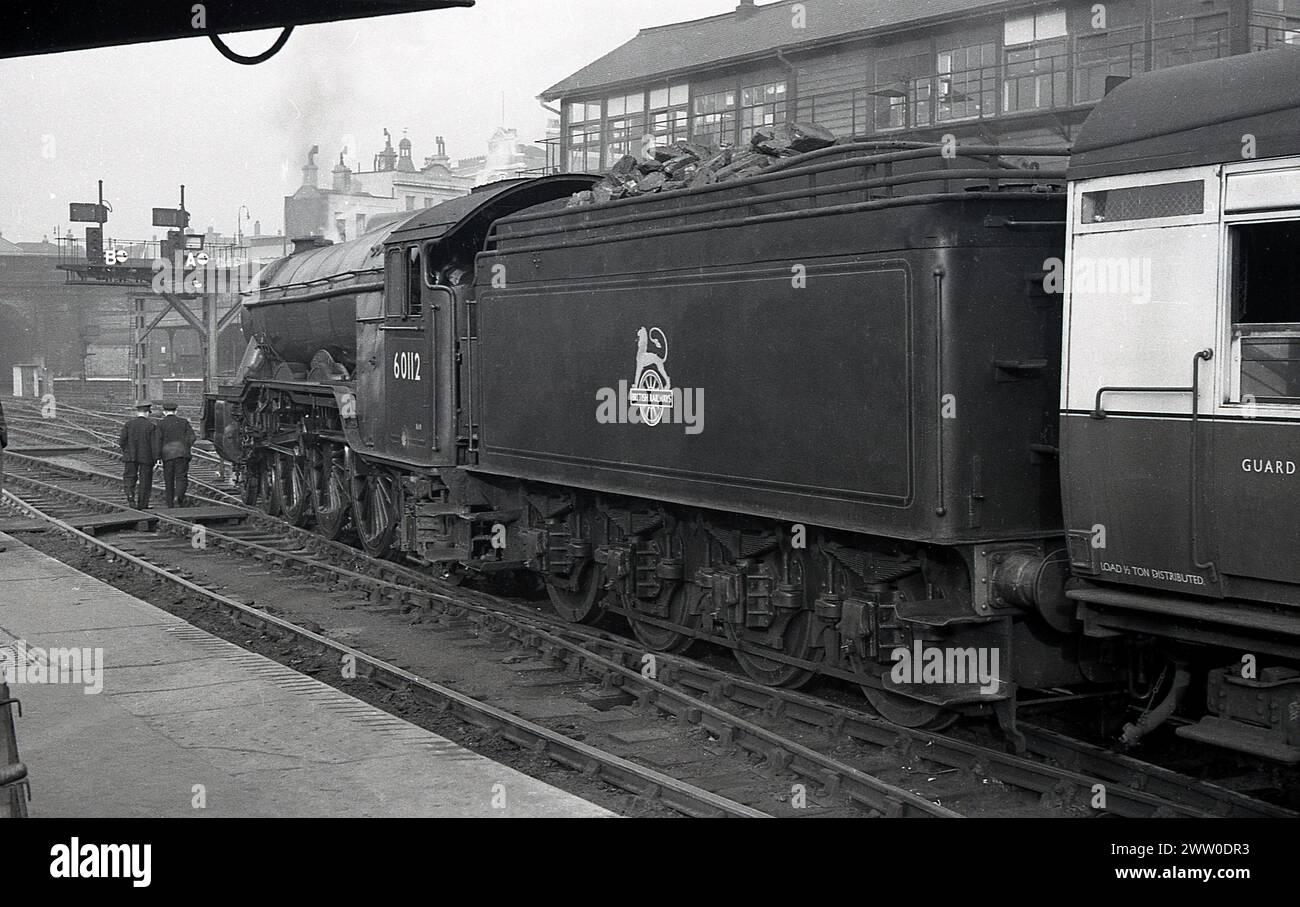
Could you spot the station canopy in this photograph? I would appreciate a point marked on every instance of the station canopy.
(49, 26)
(1195, 115)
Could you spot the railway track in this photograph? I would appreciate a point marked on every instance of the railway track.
(831, 749)
(75, 493)
(206, 471)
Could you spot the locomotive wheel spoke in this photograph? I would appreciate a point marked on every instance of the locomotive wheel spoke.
(330, 498)
(291, 488)
(267, 481)
(375, 511)
(253, 489)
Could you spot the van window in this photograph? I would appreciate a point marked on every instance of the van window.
(1143, 202)
(1266, 309)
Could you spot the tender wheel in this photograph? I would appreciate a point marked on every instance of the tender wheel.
(673, 605)
(330, 498)
(797, 639)
(291, 488)
(796, 630)
(582, 604)
(909, 712)
(376, 508)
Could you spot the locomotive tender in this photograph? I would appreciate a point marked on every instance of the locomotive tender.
(818, 416)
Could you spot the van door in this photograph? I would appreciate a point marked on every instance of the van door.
(1257, 437)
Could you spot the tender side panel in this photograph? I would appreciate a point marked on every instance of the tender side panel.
(752, 364)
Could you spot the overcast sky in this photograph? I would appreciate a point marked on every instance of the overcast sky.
(148, 117)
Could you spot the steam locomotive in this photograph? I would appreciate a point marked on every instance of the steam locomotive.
(949, 423)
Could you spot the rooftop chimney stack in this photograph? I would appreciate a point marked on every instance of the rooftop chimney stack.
(309, 169)
(746, 9)
(342, 174)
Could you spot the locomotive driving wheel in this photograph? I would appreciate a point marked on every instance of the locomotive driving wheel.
(261, 484)
(252, 482)
(330, 498)
(289, 487)
(580, 605)
(376, 509)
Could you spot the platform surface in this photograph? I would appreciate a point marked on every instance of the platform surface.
(183, 713)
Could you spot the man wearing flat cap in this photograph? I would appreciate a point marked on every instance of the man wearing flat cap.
(141, 444)
(177, 444)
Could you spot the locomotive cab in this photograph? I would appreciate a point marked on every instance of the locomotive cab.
(412, 351)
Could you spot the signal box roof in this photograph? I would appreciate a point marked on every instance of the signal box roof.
(1194, 115)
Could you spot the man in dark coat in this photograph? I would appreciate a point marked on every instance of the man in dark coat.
(177, 442)
(141, 444)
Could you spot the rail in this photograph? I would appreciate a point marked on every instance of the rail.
(618, 661)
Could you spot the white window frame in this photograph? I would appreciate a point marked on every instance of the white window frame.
(1228, 375)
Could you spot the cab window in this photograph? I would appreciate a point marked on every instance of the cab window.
(402, 283)
(414, 305)
(1266, 310)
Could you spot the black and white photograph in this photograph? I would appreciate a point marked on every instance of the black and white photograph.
(577, 409)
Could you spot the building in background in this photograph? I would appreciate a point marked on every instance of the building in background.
(66, 328)
(343, 210)
(1002, 71)
(507, 158)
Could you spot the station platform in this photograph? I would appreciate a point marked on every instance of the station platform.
(184, 717)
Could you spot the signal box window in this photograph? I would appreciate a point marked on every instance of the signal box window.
(1266, 310)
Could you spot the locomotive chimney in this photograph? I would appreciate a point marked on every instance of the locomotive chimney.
(307, 243)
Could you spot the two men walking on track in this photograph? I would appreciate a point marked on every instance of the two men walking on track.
(145, 441)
